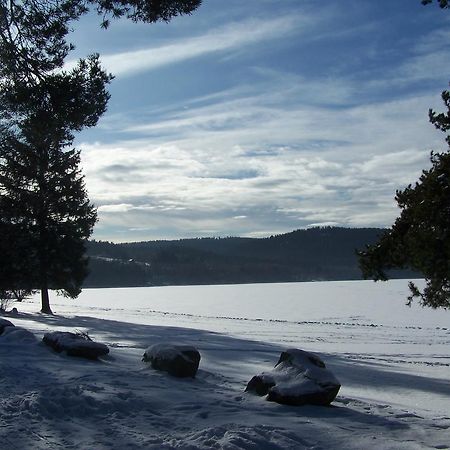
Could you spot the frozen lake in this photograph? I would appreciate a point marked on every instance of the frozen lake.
(364, 302)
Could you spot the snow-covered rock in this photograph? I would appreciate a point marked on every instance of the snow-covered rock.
(298, 378)
(4, 324)
(75, 345)
(18, 335)
(178, 360)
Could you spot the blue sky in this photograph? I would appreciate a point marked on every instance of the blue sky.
(257, 117)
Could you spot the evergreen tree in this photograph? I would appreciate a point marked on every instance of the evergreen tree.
(44, 197)
(420, 237)
(43, 202)
(45, 215)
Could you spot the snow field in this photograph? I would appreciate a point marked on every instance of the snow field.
(393, 363)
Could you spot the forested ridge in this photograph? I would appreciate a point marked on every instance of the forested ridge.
(302, 255)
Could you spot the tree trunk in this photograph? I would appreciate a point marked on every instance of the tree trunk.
(45, 301)
(42, 219)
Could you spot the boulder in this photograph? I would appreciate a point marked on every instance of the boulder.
(75, 344)
(178, 360)
(299, 378)
(19, 335)
(4, 323)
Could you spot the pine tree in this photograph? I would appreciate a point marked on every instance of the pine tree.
(45, 215)
(45, 205)
(420, 237)
(43, 201)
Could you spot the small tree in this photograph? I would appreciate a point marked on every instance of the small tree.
(420, 237)
(8, 296)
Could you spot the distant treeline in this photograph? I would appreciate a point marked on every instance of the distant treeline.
(303, 255)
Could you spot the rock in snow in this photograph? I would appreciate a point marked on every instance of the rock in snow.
(18, 335)
(298, 378)
(75, 345)
(178, 360)
(4, 323)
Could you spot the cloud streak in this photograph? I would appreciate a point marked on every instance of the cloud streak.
(229, 38)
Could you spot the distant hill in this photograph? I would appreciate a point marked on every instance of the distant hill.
(302, 255)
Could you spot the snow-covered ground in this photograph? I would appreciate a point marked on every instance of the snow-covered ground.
(393, 363)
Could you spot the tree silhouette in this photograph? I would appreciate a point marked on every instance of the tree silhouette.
(44, 210)
(420, 237)
(43, 200)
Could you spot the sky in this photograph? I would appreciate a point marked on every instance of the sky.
(258, 117)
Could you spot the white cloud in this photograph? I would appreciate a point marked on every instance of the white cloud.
(231, 37)
(426, 66)
(115, 208)
(289, 150)
(315, 167)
